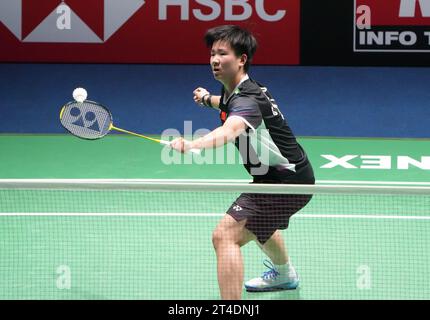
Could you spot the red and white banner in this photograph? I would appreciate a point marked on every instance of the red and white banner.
(392, 26)
(138, 31)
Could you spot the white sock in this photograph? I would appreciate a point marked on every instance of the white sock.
(283, 269)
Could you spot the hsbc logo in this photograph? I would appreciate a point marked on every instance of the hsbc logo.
(233, 10)
(67, 21)
(392, 26)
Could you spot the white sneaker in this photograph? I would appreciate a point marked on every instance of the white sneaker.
(272, 280)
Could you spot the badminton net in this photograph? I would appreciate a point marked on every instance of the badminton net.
(132, 239)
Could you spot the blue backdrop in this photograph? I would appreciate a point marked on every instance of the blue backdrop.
(317, 101)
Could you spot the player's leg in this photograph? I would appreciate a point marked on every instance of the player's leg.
(281, 274)
(275, 249)
(227, 239)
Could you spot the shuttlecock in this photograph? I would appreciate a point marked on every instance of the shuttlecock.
(80, 94)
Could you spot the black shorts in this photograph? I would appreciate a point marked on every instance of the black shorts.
(266, 213)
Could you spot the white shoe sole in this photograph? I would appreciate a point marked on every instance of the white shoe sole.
(284, 286)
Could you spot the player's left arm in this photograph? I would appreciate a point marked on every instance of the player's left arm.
(229, 131)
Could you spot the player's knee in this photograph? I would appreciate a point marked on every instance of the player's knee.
(222, 236)
(217, 237)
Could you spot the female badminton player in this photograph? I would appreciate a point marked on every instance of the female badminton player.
(271, 154)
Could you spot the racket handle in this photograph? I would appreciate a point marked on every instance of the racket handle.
(195, 151)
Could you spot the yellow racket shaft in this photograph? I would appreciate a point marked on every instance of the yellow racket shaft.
(137, 134)
(196, 151)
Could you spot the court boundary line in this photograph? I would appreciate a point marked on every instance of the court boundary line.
(161, 214)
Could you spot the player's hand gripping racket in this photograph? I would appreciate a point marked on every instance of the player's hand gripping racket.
(90, 120)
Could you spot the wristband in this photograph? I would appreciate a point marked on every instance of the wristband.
(206, 100)
(209, 101)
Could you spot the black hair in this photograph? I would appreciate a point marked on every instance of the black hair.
(241, 40)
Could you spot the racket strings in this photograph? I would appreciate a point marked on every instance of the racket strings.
(86, 120)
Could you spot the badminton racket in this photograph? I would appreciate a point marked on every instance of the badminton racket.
(90, 120)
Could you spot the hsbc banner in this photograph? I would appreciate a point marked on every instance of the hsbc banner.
(392, 26)
(138, 31)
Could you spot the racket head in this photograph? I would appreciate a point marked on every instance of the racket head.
(87, 120)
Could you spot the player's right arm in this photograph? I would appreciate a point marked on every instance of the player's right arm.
(204, 98)
(228, 132)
